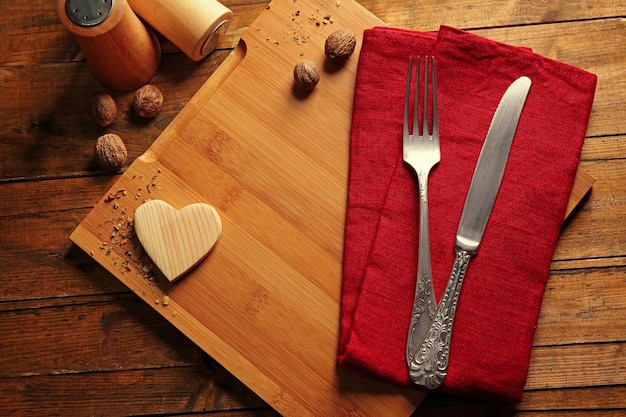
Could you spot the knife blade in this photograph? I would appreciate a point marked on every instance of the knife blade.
(429, 366)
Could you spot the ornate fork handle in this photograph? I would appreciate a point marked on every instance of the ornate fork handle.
(425, 304)
(429, 367)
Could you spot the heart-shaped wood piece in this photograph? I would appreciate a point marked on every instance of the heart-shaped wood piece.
(177, 240)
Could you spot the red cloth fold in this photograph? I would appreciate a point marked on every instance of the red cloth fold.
(501, 296)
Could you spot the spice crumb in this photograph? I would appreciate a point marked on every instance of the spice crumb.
(117, 233)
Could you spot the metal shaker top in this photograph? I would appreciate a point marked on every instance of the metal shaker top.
(88, 12)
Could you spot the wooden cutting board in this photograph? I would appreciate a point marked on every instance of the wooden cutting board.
(274, 163)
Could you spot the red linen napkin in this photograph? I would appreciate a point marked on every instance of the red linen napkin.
(503, 288)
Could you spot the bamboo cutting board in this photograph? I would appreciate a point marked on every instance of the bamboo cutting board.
(273, 162)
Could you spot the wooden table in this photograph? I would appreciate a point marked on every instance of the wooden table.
(76, 341)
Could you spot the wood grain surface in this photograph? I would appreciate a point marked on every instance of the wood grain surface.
(175, 240)
(274, 162)
(75, 340)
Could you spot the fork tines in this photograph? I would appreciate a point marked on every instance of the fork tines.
(421, 87)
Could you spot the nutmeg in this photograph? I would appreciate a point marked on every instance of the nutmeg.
(104, 109)
(340, 45)
(148, 101)
(111, 152)
(306, 75)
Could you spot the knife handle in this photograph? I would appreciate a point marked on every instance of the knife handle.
(429, 366)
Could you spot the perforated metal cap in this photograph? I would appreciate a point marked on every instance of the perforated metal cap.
(88, 12)
(211, 42)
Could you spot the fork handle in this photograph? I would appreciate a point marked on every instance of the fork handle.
(424, 304)
(429, 367)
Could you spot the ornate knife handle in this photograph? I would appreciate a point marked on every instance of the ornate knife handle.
(429, 367)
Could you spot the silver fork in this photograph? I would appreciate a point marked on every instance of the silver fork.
(422, 153)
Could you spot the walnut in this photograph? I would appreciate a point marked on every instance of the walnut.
(148, 101)
(111, 152)
(340, 45)
(306, 75)
(104, 109)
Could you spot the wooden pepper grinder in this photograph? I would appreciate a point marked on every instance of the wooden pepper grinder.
(121, 53)
(194, 26)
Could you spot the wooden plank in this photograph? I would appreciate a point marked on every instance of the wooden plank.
(23, 198)
(585, 364)
(612, 397)
(100, 339)
(467, 14)
(604, 147)
(164, 391)
(46, 278)
(583, 306)
(592, 230)
(551, 402)
(42, 245)
(577, 413)
(36, 24)
(109, 347)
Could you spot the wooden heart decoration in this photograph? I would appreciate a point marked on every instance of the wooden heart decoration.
(177, 240)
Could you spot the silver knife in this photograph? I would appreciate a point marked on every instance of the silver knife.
(429, 366)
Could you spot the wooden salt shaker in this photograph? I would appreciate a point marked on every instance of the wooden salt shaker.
(121, 53)
(194, 26)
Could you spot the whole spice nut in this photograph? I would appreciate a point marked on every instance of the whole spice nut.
(306, 75)
(111, 152)
(340, 45)
(103, 108)
(148, 101)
